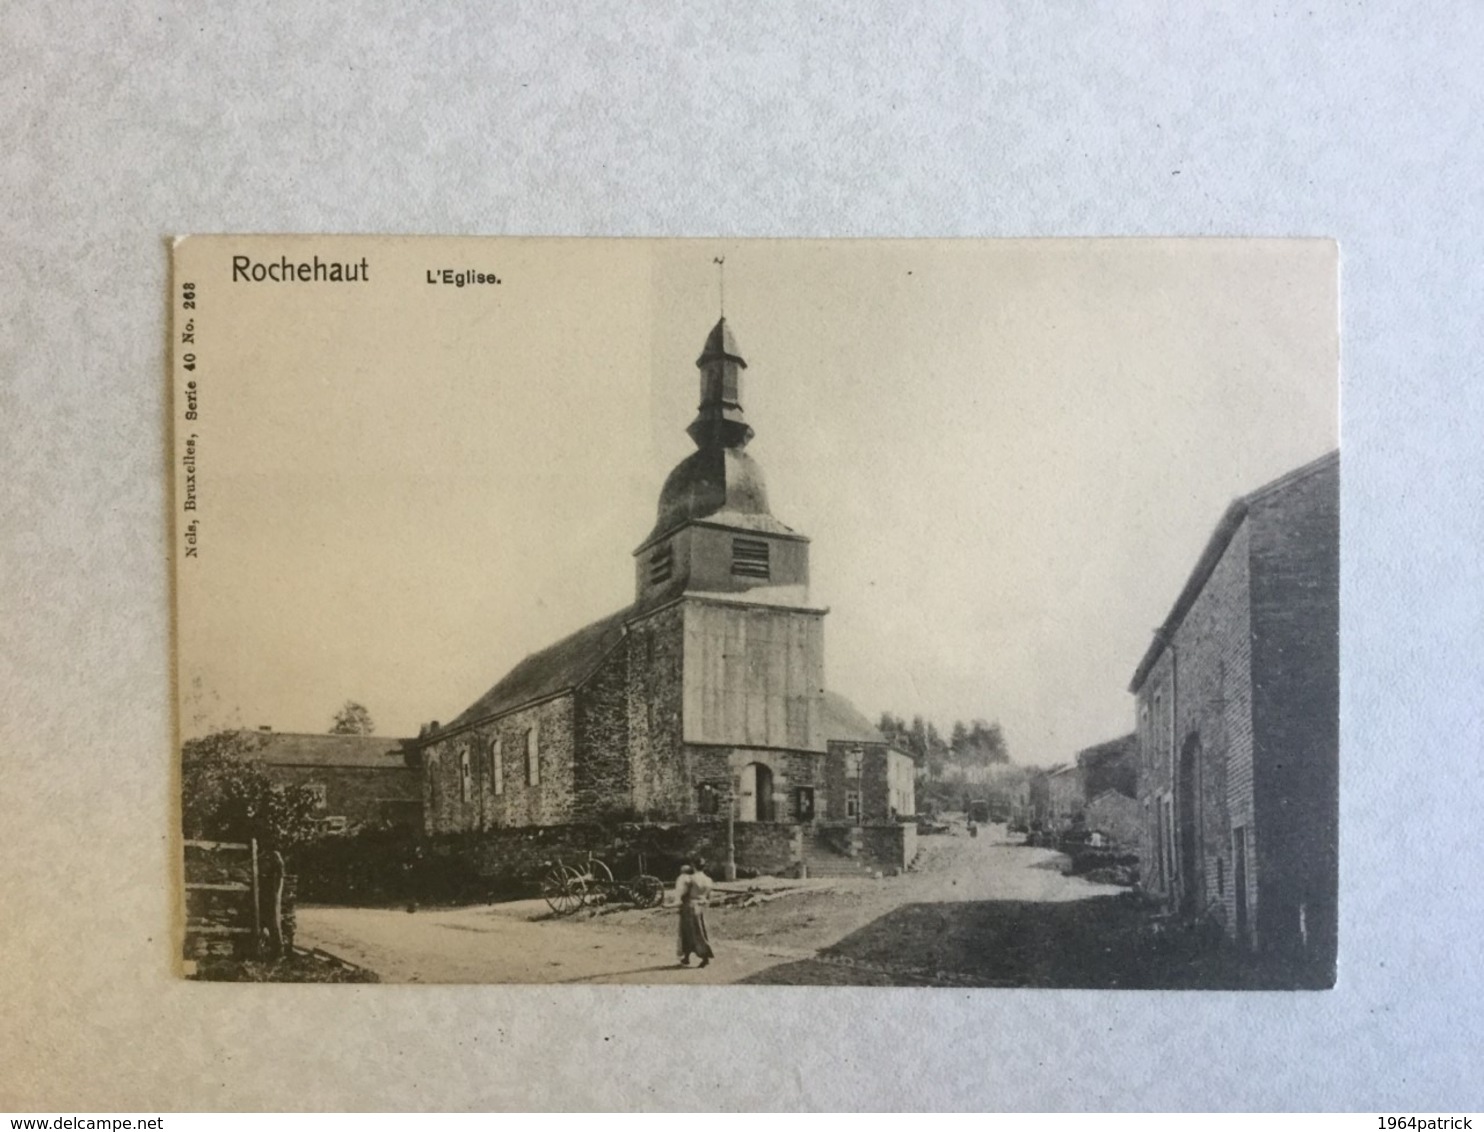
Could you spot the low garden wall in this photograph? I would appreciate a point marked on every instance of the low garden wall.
(392, 867)
(889, 847)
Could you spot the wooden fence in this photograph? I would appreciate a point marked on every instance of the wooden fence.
(235, 901)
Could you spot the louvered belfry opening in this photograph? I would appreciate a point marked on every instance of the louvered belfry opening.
(750, 558)
(661, 563)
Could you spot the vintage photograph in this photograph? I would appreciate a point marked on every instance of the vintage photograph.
(954, 613)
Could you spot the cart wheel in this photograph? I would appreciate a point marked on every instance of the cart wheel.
(581, 884)
(562, 891)
(600, 873)
(649, 892)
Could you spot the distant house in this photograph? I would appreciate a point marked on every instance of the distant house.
(966, 774)
(356, 779)
(866, 779)
(1065, 796)
(1238, 723)
(1113, 765)
(1118, 817)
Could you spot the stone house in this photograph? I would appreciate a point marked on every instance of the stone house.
(1117, 817)
(705, 696)
(356, 779)
(867, 780)
(1113, 765)
(1238, 724)
(1066, 796)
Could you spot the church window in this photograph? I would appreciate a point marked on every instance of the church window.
(497, 765)
(533, 758)
(320, 793)
(709, 801)
(853, 760)
(661, 564)
(465, 779)
(852, 805)
(750, 558)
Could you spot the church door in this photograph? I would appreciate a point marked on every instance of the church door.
(756, 803)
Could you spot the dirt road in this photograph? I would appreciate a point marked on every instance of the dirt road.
(798, 931)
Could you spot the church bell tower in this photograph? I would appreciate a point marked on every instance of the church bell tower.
(722, 589)
(715, 532)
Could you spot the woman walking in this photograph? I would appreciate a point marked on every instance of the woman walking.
(691, 893)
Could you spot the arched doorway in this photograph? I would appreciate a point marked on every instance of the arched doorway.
(756, 801)
(1187, 817)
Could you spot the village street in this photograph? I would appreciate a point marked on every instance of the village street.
(968, 902)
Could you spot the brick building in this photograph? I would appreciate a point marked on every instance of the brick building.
(1238, 724)
(356, 779)
(706, 694)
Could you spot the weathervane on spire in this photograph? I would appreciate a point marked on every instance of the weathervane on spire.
(721, 280)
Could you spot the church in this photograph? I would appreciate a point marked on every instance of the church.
(702, 699)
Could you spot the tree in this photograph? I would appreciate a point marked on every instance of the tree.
(917, 741)
(959, 743)
(225, 796)
(352, 719)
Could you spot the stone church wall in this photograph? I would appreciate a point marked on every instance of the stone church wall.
(449, 808)
(659, 782)
(601, 774)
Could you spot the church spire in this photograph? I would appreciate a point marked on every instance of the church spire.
(719, 421)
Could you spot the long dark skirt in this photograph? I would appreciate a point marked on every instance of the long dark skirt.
(693, 938)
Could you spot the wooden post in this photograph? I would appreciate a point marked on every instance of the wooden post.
(729, 866)
(257, 912)
(275, 926)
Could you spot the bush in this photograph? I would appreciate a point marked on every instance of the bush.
(226, 797)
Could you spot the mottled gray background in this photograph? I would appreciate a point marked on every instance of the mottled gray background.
(125, 124)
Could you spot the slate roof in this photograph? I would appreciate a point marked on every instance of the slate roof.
(843, 720)
(557, 668)
(720, 344)
(288, 748)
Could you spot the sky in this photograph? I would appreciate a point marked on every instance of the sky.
(1008, 456)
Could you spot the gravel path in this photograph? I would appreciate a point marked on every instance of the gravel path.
(520, 943)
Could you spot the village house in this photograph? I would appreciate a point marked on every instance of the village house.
(702, 699)
(1113, 765)
(867, 779)
(1110, 785)
(1238, 724)
(1066, 797)
(356, 780)
(1113, 816)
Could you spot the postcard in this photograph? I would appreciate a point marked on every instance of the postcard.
(953, 613)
